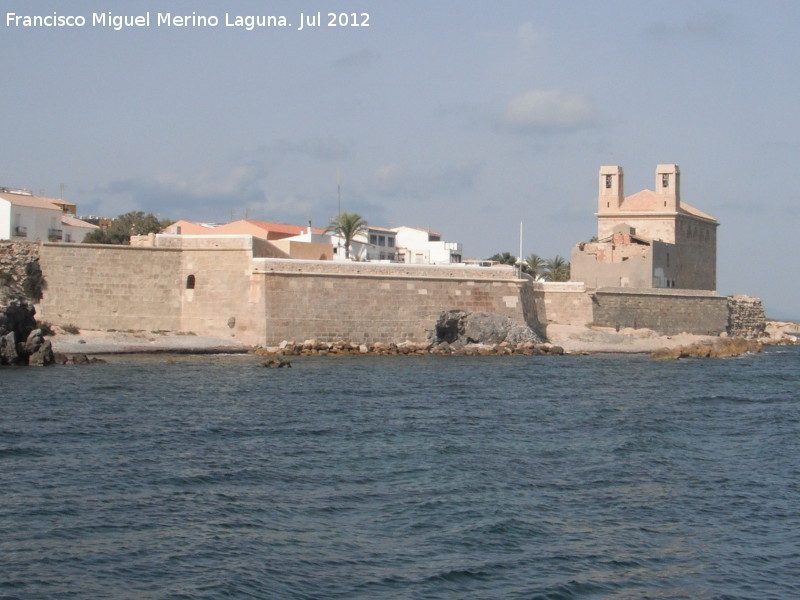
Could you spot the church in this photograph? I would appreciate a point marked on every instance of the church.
(650, 239)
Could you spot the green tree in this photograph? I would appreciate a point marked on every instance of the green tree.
(347, 226)
(506, 258)
(124, 226)
(534, 265)
(556, 269)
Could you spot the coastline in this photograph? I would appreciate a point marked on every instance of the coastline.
(94, 342)
(574, 339)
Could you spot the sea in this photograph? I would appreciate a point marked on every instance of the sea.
(420, 477)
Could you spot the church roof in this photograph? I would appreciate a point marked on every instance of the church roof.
(649, 201)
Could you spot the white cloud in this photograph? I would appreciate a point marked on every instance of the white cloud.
(543, 110)
(527, 37)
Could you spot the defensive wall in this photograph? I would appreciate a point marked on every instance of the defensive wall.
(228, 288)
(668, 311)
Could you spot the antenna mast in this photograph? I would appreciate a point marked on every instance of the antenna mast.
(338, 192)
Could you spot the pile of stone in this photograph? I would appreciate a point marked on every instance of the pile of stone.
(21, 342)
(342, 348)
(457, 333)
(723, 347)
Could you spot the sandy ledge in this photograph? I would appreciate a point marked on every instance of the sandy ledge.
(575, 339)
(117, 342)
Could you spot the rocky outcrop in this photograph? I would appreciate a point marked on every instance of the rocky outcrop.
(779, 333)
(720, 348)
(21, 342)
(746, 317)
(342, 348)
(458, 328)
(19, 268)
(456, 332)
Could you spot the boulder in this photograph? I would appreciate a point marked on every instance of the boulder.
(43, 355)
(458, 327)
(722, 347)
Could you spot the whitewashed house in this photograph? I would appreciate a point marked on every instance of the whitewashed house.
(423, 247)
(28, 218)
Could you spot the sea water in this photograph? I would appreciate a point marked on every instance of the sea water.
(603, 476)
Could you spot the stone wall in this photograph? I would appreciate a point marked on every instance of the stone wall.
(565, 303)
(746, 317)
(111, 287)
(668, 312)
(369, 303)
(18, 262)
(223, 291)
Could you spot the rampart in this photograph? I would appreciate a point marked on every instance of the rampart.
(667, 311)
(221, 289)
(369, 302)
(225, 289)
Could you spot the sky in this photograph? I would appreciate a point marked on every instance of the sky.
(475, 119)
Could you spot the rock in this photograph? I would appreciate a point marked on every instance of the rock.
(79, 359)
(665, 354)
(8, 349)
(277, 363)
(486, 328)
(43, 355)
(722, 347)
(458, 327)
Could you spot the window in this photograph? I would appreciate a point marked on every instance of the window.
(373, 239)
(608, 182)
(381, 240)
(190, 282)
(665, 180)
(391, 242)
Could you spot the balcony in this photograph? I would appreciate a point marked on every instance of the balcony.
(20, 231)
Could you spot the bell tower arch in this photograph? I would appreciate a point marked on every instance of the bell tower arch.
(668, 187)
(610, 189)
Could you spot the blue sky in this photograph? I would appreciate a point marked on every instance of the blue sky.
(467, 117)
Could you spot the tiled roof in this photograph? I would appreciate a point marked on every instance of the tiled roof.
(649, 201)
(73, 222)
(29, 200)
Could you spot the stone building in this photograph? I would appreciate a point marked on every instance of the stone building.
(651, 239)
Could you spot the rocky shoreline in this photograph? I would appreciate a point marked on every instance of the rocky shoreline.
(455, 334)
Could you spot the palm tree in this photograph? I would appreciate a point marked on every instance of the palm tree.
(506, 258)
(533, 265)
(556, 269)
(347, 226)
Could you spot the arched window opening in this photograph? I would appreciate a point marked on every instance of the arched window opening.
(190, 282)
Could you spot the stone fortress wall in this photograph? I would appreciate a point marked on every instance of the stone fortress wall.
(227, 288)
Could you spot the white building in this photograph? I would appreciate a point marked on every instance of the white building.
(423, 247)
(28, 218)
